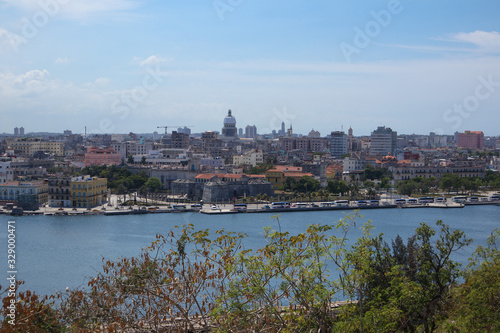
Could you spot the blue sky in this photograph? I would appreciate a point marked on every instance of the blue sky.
(132, 65)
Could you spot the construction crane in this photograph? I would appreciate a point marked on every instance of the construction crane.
(166, 127)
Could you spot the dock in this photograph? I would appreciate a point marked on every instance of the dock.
(341, 208)
(252, 208)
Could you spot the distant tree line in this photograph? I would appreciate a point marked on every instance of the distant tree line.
(119, 177)
(122, 181)
(449, 183)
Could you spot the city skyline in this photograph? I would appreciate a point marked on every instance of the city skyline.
(120, 66)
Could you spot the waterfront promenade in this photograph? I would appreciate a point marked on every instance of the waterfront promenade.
(156, 207)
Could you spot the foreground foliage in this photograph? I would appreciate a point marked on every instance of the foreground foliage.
(192, 280)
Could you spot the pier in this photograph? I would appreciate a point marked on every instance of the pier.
(210, 209)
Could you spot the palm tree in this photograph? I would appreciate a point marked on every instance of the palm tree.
(372, 193)
(143, 190)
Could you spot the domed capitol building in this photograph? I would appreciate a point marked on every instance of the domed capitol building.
(229, 130)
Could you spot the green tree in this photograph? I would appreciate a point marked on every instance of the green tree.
(130, 159)
(450, 181)
(307, 184)
(368, 184)
(375, 173)
(144, 191)
(406, 290)
(372, 193)
(153, 184)
(406, 187)
(192, 280)
(337, 186)
(122, 190)
(385, 182)
(289, 183)
(260, 169)
(477, 300)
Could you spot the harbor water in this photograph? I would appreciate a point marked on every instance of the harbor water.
(55, 252)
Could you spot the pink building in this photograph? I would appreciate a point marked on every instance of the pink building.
(101, 156)
(471, 139)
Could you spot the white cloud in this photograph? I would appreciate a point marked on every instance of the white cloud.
(42, 101)
(102, 81)
(486, 41)
(10, 41)
(30, 82)
(73, 9)
(60, 61)
(409, 96)
(153, 60)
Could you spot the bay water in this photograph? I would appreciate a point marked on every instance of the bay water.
(55, 252)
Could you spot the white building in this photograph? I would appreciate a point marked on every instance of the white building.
(353, 164)
(129, 148)
(383, 141)
(495, 163)
(252, 158)
(338, 144)
(6, 172)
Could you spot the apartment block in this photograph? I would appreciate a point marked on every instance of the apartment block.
(383, 141)
(338, 144)
(407, 172)
(129, 148)
(59, 191)
(27, 194)
(278, 174)
(6, 172)
(29, 146)
(252, 158)
(88, 192)
(101, 156)
(471, 140)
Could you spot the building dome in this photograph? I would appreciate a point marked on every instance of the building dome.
(314, 134)
(388, 158)
(229, 120)
(229, 130)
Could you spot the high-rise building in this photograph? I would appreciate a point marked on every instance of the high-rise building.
(432, 140)
(229, 130)
(180, 140)
(185, 130)
(282, 131)
(471, 140)
(250, 131)
(240, 132)
(21, 131)
(16, 131)
(338, 144)
(383, 141)
(350, 139)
